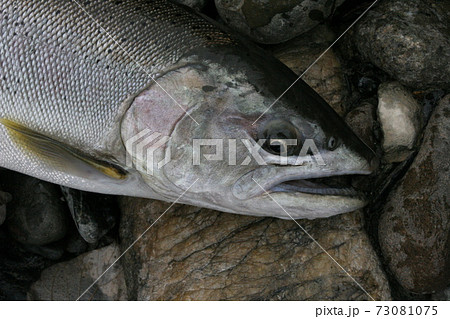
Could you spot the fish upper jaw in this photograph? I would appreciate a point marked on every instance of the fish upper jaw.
(271, 178)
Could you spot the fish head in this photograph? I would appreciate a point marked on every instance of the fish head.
(240, 138)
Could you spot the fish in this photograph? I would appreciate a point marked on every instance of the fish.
(150, 99)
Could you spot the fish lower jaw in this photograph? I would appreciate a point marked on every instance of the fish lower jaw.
(319, 186)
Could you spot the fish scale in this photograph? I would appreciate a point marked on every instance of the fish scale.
(64, 75)
(57, 64)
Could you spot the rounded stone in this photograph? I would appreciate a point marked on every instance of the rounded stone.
(415, 225)
(36, 215)
(409, 40)
(274, 21)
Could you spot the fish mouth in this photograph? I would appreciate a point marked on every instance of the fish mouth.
(295, 182)
(324, 186)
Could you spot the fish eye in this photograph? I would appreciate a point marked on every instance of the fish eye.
(332, 143)
(276, 133)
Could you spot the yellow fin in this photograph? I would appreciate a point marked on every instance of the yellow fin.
(59, 155)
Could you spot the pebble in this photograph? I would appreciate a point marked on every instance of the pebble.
(36, 214)
(414, 228)
(201, 254)
(409, 40)
(401, 119)
(326, 76)
(274, 21)
(68, 280)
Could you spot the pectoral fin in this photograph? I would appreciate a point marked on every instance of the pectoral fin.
(61, 156)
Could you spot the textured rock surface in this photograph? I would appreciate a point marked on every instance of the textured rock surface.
(68, 280)
(274, 21)
(414, 229)
(361, 120)
(400, 116)
(410, 40)
(199, 254)
(325, 76)
(36, 214)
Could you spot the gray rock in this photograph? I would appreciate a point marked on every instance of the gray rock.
(414, 228)
(4, 199)
(195, 4)
(68, 280)
(361, 120)
(200, 254)
(36, 215)
(274, 21)
(409, 40)
(326, 75)
(94, 214)
(401, 119)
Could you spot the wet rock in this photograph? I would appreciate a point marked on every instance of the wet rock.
(400, 116)
(200, 254)
(4, 199)
(195, 4)
(36, 214)
(415, 226)
(325, 76)
(274, 21)
(362, 121)
(409, 40)
(68, 280)
(94, 214)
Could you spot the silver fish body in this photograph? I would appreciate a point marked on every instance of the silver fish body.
(81, 78)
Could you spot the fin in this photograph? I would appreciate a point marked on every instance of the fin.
(59, 155)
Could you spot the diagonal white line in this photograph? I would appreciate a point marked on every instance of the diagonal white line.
(137, 239)
(131, 57)
(315, 241)
(312, 64)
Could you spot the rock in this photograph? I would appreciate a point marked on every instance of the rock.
(53, 251)
(409, 40)
(36, 214)
(68, 280)
(18, 268)
(76, 244)
(325, 76)
(94, 214)
(200, 254)
(274, 21)
(195, 4)
(4, 199)
(361, 120)
(415, 226)
(400, 116)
